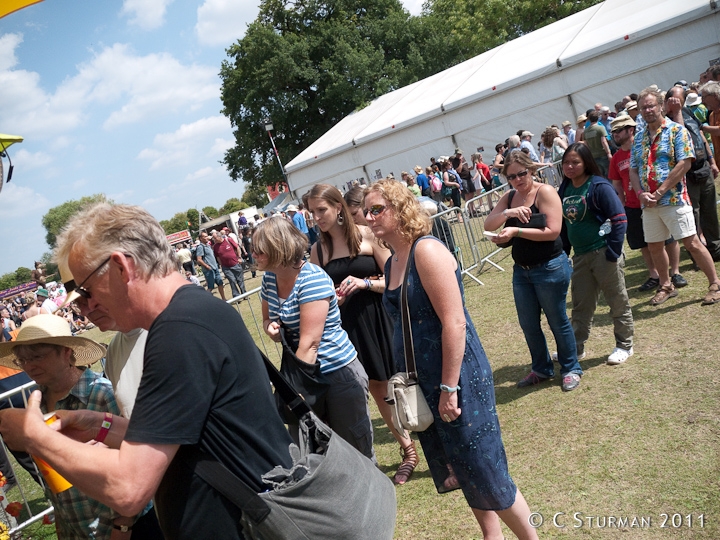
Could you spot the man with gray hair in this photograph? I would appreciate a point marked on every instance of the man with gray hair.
(661, 156)
(204, 386)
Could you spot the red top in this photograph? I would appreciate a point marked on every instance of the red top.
(226, 252)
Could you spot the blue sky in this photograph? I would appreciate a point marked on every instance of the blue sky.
(120, 98)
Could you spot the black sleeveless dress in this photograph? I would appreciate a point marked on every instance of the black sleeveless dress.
(363, 316)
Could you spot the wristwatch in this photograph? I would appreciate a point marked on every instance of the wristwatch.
(450, 389)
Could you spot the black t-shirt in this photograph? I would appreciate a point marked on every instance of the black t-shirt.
(204, 382)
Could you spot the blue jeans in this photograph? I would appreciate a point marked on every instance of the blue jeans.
(545, 287)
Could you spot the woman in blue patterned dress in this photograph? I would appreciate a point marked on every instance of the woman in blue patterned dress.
(463, 446)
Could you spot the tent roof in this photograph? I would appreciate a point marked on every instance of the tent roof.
(571, 41)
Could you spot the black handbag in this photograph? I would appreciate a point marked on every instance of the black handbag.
(537, 221)
(305, 378)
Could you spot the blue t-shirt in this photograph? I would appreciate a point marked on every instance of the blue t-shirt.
(312, 284)
(299, 221)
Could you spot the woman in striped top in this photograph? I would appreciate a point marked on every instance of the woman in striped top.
(301, 296)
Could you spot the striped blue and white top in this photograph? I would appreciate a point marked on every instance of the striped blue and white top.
(312, 284)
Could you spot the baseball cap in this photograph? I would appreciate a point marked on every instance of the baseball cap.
(527, 134)
(630, 105)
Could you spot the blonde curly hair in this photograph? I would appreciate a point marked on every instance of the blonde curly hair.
(413, 221)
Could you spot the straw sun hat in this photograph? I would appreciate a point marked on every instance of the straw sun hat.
(51, 330)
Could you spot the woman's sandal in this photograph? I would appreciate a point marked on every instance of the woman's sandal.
(409, 462)
(451, 482)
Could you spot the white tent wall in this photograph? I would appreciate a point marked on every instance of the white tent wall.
(518, 86)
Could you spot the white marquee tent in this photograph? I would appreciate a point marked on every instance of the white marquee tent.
(550, 75)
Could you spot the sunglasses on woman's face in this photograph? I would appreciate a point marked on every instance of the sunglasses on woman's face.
(375, 210)
(521, 174)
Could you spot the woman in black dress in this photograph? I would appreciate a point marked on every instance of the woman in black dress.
(353, 258)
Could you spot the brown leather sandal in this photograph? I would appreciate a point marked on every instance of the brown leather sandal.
(410, 460)
(451, 482)
(663, 294)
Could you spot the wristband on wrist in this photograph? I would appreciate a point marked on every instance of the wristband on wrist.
(519, 234)
(449, 389)
(104, 427)
(368, 285)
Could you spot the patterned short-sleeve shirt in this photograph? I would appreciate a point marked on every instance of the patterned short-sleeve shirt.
(77, 516)
(654, 155)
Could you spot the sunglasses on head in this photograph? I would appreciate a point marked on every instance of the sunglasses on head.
(521, 174)
(375, 210)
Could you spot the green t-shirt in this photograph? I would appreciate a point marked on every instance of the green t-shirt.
(593, 137)
(582, 226)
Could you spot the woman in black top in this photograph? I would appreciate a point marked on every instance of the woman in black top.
(532, 214)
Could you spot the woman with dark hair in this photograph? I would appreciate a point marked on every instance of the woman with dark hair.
(542, 271)
(300, 297)
(451, 183)
(354, 200)
(463, 446)
(353, 259)
(594, 227)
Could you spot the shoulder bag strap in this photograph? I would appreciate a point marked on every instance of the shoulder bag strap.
(221, 478)
(405, 316)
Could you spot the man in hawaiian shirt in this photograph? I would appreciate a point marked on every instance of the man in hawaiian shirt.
(661, 156)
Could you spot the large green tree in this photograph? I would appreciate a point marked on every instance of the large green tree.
(306, 65)
(177, 223)
(233, 204)
(58, 216)
(471, 27)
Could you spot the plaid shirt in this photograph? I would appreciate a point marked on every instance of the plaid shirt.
(77, 516)
(654, 155)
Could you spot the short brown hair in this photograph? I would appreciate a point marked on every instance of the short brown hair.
(281, 241)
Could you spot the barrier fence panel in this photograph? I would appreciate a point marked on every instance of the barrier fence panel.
(248, 305)
(9, 527)
(476, 210)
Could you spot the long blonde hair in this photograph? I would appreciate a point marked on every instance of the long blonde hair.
(413, 221)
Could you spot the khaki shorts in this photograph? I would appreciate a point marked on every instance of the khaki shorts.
(663, 221)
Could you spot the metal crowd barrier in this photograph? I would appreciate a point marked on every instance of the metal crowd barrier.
(7, 522)
(249, 307)
(462, 232)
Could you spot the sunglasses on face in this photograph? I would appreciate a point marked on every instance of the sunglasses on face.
(521, 174)
(82, 291)
(375, 210)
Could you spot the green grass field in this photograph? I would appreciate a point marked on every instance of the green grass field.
(639, 440)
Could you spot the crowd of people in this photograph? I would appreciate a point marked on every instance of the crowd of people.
(334, 269)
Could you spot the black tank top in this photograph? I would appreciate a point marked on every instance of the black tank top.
(529, 252)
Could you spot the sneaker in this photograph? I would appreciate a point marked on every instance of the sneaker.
(663, 294)
(651, 283)
(713, 295)
(618, 356)
(554, 356)
(531, 379)
(678, 281)
(570, 382)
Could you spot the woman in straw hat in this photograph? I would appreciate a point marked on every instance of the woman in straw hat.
(59, 363)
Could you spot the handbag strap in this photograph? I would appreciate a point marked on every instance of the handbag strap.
(217, 475)
(405, 317)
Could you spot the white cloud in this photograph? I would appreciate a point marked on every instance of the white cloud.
(205, 138)
(31, 160)
(21, 205)
(222, 22)
(147, 14)
(134, 87)
(8, 43)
